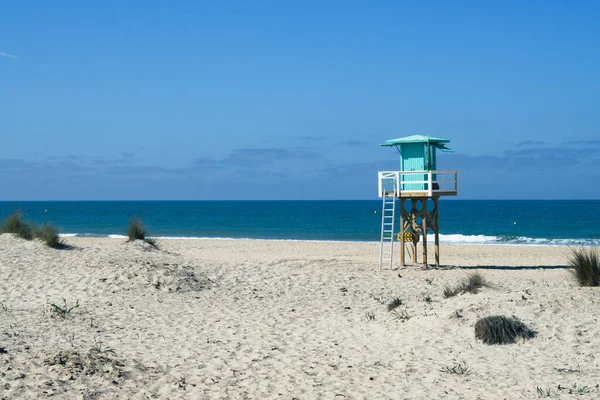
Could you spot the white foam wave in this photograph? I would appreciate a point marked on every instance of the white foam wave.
(444, 239)
(510, 240)
(467, 239)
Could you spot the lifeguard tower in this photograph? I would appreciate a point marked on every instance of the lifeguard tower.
(419, 183)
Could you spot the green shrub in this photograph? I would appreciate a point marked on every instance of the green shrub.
(14, 224)
(585, 264)
(49, 235)
(136, 229)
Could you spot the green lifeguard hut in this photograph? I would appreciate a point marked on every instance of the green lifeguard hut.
(419, 182)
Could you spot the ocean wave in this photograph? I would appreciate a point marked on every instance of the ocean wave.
(458, 238)
(454, 238)
(512, 240)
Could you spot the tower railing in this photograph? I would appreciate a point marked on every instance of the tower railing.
(418, 183)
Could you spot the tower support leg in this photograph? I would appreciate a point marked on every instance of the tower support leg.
(402, 231)
(436, 231)
(424, 226)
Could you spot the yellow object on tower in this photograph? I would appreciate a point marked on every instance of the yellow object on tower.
(408, 236)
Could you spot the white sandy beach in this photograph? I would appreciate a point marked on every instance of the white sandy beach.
(241, 319)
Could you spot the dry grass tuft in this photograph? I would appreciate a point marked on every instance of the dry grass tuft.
(15, 224)
(471, 284)
(585, 264)
(50, 236)
(499, 329)
(394, 303)
(136, 229)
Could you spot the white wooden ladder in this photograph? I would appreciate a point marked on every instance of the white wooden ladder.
(386, 247)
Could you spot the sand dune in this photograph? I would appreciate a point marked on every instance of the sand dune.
(240, 319)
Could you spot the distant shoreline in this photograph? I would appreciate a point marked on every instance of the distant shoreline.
(430, 242)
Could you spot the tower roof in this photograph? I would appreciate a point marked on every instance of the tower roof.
(414, 139)
(433, 141)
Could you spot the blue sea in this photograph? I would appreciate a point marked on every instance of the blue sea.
(531, 222)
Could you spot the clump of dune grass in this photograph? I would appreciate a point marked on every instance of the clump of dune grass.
(50, 236)
(137, 231)
(585, 265)
(65, 310)
(499, 329)
(394, 303)
(471, 284)
(456, 369)
(15, 224)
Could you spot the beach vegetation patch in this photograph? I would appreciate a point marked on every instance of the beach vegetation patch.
(394, 303)
(450, 292)
(472, 284)
(370, 316)
(152, 242)
(100, 364)
(401, 316)
(543, 393)
(569, 370)
(576, 389)
(99, 349)
(50, 236)
(15, 224)
(585, 265)
(498, 329)
(456, 369)
(137, 231)
(64, 311)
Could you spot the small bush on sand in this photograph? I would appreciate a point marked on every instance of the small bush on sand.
(451, 292)
(394, 303)
(136, 229)
(472, 284)
(14, 224)
(499, 329)
(49, 235)
(585, 264)
(63, 311)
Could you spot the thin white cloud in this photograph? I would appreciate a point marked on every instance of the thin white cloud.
(3, 54)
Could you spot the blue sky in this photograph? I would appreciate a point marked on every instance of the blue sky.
(290, 100)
